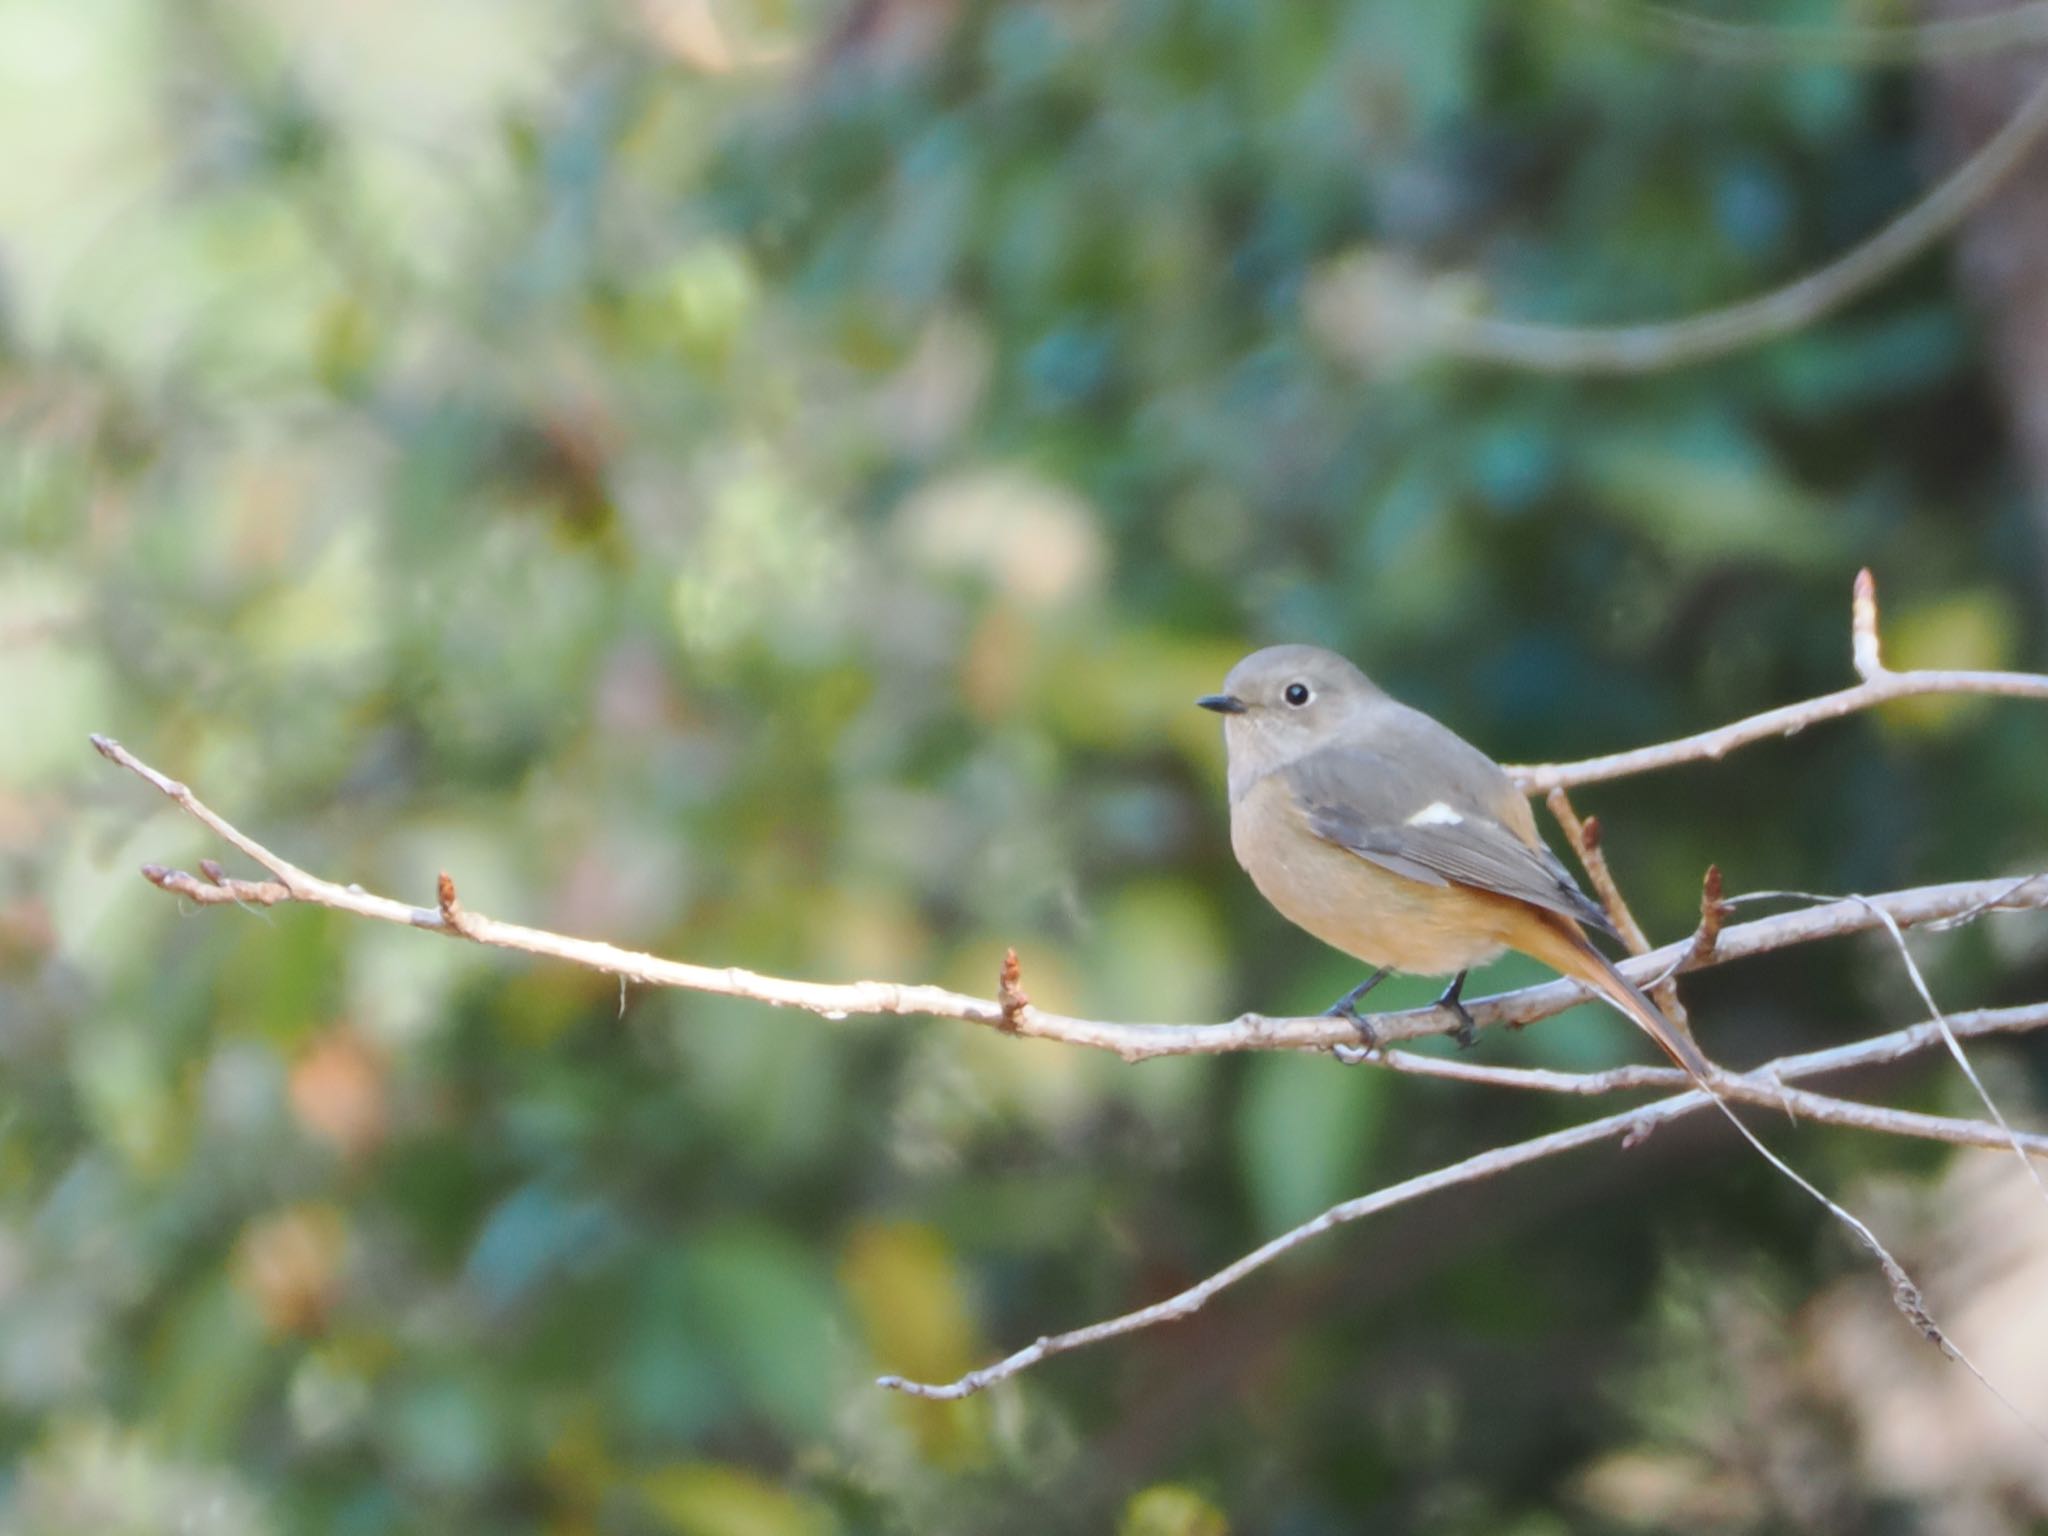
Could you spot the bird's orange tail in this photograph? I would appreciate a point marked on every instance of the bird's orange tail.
(1633, 1001)
(1572, 952)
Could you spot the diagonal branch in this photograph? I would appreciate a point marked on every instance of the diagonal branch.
(1659, 345)
(1630, 1124)
(1585, 838)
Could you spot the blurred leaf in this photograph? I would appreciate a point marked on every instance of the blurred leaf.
(211, 1361)
(1169, 1509)
(763, 1303)
(53, 694)
(707, 1499)
(906, 1290)
(1303, 1132)
(91, 1475)
(531, 1237)
(122, 1079)
(1156, 953)
(1706, 492)
(1966, 631)
(443, 1431)
(1845, 364)
(289, 1264)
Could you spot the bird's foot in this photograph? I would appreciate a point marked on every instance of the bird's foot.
(1467, 1032)
(1346, 1007)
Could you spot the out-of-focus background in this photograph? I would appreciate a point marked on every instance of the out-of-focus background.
(762, 481)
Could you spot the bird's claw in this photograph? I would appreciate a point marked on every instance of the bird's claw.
(1467, 1031)
(1368, 1037)
(1346, 1007)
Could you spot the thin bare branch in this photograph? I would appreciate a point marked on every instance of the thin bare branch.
(1713, 913)
(1764, 1086)
(1586, 841)
(1787, 720)
(1865, 654)
(1906, 1295)
(1665, 344)
(1880, 685)
(1940, 1021)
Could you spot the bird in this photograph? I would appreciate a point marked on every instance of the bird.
(1388, 836)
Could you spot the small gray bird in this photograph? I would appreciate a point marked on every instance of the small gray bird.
(1389, 837)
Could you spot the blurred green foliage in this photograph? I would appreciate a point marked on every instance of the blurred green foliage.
(763, 483)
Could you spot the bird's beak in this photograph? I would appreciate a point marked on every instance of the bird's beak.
(1222, 703)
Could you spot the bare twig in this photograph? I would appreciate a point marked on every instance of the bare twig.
(1010, 994)
(1906, 1295)
(1955, 1050)
(1013, 1011)
(1941, 1024)
(1484, 1165)
(1865, 654)
(1585, 837)
(1586, 842)
(1713, 912)
(1764, 1085)
(1880, 685)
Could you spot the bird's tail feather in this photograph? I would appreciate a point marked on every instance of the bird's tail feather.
(1560, 944)
(1674, 1041)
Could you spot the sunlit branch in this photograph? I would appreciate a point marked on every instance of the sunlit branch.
(1133, 1042)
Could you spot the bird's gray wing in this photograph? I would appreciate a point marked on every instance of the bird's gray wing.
(1382, 810)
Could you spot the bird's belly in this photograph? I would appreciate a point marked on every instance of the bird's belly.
(1368, 912)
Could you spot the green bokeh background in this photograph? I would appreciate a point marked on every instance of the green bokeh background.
(762, 482)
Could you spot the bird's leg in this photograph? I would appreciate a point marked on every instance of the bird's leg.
(1467, 1031)
(1346, 1007)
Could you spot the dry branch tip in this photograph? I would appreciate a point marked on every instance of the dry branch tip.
(1863, 644)
(454, 916)
(1713, 912)
(1010, 993)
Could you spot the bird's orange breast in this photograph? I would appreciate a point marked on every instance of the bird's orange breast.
(1355, 905)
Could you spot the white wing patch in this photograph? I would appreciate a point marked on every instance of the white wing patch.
(1435, 814)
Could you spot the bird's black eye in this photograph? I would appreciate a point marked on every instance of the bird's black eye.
(1297, 694)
